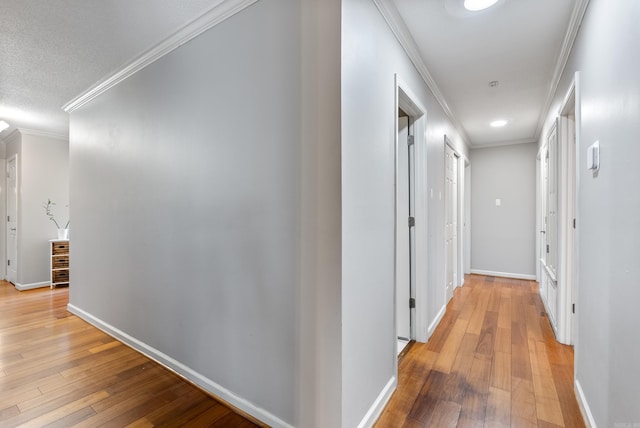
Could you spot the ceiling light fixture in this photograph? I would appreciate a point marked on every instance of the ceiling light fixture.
(476, 5)
(3, 125)
(499, 123)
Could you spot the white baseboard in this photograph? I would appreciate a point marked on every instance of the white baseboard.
(183, 370)
(503, 274)
(23, 287)
(584, 406)
(436, 321)
(378, 406)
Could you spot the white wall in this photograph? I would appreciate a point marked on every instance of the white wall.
(205, 196)
(370, 57)
(43, 173)
(607, 347)
(503, 237)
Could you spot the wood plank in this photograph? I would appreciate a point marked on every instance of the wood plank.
(449, 350)
(58, 371)
(547, 403)
(523, 403)
(498, 413)
(499, 372)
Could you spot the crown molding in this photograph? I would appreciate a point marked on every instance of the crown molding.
(399, 29)
(504, 143)
(33, 132)
(575, 22)
(222, 10)
(10, 136)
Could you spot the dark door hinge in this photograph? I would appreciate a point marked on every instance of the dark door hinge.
(412, 221)
(573, 308)
(410, 140)
(8, 262)
(574, 223)
(547, 248)
(412, 303)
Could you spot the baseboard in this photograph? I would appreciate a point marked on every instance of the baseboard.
(584, 406)
(436, 321)
(378, 406)
(503, 274)
(188, 373)
(23, 287)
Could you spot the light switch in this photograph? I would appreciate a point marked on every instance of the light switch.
(498, 202)
(593, 156)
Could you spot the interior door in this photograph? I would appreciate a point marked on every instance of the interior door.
(451, 220)
(403, 239)
(12, 217)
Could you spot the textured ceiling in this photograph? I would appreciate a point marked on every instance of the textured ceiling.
(516, 42)
(51, 51)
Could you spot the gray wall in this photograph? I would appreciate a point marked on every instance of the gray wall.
(185, 188)
(503, 237)
(607, 346)
(43, 173)
(207, 194)
(371, 56)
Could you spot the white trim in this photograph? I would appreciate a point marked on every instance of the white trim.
(584, 406)
(222, 10)
(377, 407)
(11, 136)
(23, 287)
(567, 151)
(437, 320)
(406, 99)
(399, 29)
(33, 132)
(183, 370)
(503, 274)
(567, 44)
(504, 143)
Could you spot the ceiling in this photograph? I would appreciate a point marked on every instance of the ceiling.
(517, 43)
(53, 51)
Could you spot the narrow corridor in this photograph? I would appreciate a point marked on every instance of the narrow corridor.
(493, 361)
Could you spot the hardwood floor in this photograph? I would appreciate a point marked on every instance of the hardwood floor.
(492, 362)
(58, 371)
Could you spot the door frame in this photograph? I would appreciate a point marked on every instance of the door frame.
(448, 203)
(405, 239)
(461, 162)
(569, 143)
(14, 158)
(406, 100)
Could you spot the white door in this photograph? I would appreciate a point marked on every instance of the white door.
(451, 220)
(404, 240)
(12, 220)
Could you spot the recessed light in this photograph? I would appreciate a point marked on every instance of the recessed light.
(499, 123)
(476, 5)
(3, 125)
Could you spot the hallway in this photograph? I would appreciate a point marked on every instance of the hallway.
(493, 361)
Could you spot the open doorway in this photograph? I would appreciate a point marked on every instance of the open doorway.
(452, 219)
(405, 222)
(12, 219)
(411, 219)
(558, 217)
(568, 138)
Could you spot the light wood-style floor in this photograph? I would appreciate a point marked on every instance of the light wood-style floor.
(58, 371)
(492, 362)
